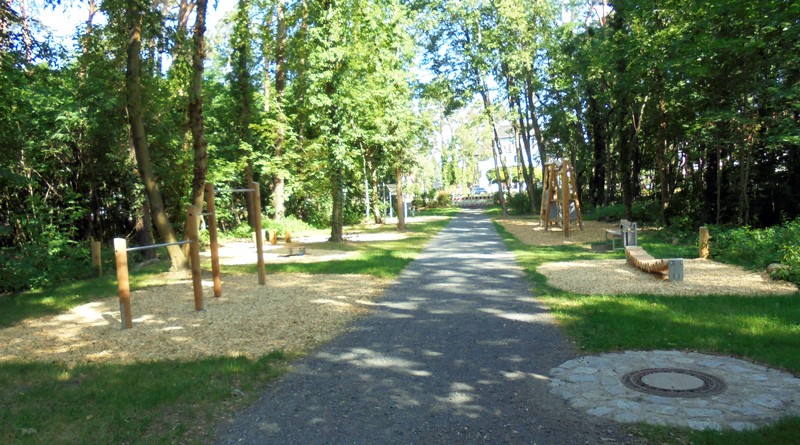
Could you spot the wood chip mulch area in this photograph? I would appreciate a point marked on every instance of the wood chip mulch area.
(292, 312)
(617, 277)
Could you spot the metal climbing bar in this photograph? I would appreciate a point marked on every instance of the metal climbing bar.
(234, 190)
(131, 249)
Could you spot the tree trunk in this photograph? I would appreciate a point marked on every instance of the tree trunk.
(139, 136)
(372, 177)
(495, 149)
(337, 214)
(597, 187)
(401, 217)
(280, 86)
(534, 119)
(199, 144)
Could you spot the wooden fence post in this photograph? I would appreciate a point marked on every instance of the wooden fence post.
(194, 252)
(704, 248)
(212, 234)
(121, 254)
(262, 273)
(97, 259)
(288, 237)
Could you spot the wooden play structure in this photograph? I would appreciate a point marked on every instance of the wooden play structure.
(121, 250)
(560, 204)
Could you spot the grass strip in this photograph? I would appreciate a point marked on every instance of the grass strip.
(153, 402)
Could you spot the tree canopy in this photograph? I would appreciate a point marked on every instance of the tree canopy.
(680, 112)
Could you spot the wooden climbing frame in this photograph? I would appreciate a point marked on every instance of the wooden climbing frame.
(560, 197)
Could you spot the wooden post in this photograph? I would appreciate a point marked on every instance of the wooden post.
(97, 260)
(121, 254)
(575, 195)
(212, 234)
(288, 237)
(194, 252)
(262, 273)
(704, 249)
(273, 237)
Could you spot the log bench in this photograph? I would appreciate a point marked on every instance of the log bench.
(642, 260)
(627, 231)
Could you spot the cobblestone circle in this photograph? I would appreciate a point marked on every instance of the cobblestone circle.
(756, 395)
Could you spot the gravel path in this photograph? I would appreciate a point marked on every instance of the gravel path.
(459, 351)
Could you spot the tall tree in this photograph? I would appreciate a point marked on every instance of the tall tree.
(139, 136)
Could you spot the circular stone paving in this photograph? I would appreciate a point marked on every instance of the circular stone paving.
(684, 389)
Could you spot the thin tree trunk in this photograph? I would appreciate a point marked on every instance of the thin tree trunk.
(495, 149)
(337, 214)
(199, 144)
(139, 136)
(401, 217)
(280, 85)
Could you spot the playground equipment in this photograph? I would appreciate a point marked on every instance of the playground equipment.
(560, 203)
(641, 259)
(121, 250)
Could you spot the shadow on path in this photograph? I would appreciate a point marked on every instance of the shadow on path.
(459, 351)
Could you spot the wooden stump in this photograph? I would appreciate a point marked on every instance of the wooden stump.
(704, 249)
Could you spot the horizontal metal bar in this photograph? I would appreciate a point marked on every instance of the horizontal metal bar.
(205, 214)
(131, 249)
(235, 190)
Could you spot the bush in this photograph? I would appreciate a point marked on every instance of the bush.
(759, 248)
(519, 204)
(37, 266)
(442, 200)
(643, 212)
(610, 213)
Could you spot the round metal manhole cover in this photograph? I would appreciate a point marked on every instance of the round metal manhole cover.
(674, 382)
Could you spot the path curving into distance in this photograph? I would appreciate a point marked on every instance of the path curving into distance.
(458, 351)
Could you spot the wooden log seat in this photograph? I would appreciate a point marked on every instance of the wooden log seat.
(643, 260)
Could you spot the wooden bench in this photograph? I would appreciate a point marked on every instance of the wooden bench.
(639, 258)
(627, 231)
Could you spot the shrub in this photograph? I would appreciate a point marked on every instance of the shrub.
(442, 200)
(519, 204)
(37, 266)
(760, 247)
(610, 213)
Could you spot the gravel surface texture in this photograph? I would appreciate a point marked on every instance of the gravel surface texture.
(458, 351)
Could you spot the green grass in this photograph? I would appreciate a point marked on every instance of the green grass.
(153, 402)
(764, 329)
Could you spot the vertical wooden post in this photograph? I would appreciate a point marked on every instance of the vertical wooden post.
(565, 198)
(262, 273)
(288, 237)
(574, 195)
(121, 254)
(194, 252)
(704, 249)
(97, 259)
(212, 234)
(273, 237)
